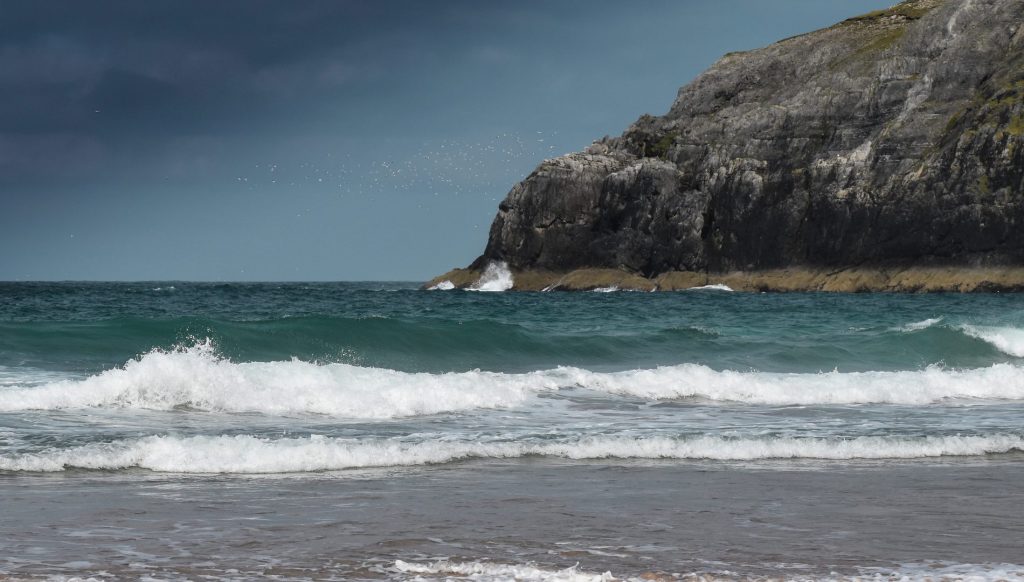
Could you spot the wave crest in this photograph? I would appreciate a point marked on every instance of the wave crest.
(249, 454)
(1009, 340)
(450, 570)
(712, 287)
(496, 277)
(918, 325)
(195, 377)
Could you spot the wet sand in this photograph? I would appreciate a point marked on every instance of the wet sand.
(765, 519)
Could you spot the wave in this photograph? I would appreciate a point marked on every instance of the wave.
(945, 572)
(421, 343)
(445, 285)
(714, 287)
(249, 454)
(22, 376)
(496, 277)
(1009, 340)
(436, 344)
(494, 572)
(485, 571)
(930, 385)
(918, 325)
(196, 377)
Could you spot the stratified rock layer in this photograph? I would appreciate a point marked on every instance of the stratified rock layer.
(891, 140)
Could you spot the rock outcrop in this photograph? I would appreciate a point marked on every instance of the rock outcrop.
(889, 141)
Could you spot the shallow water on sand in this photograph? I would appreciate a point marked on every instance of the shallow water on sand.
(790, 519)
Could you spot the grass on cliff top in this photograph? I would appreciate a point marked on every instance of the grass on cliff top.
(882, 41)
(905, 11)
(885, 27)
(910, 10)
(878, 43)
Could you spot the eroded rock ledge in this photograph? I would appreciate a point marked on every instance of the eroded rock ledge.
(796, 279)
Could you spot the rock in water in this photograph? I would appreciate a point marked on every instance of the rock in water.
(891, 139)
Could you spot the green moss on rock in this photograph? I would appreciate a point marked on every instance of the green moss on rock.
(1016, 125)
(660, 148)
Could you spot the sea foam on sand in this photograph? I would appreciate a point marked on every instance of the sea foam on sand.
(250, 454)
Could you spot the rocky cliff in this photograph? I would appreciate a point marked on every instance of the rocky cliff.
(889, 141)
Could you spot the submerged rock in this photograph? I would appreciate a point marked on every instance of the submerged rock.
(888, 141)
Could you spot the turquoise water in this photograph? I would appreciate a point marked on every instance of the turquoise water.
(88, 328)
(127, 382)
(130, 376)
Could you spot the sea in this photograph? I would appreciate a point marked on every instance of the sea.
(380, 431)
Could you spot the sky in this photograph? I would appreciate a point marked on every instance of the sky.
(314, 140)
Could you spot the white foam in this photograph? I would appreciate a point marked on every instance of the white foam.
(606, 289)
(919, 325)
(715, 287)
(486, 571)
(249, 454)
(195, 377)
(496, 277)
(1009, 340)
(944, 571)
(495, 572)
(443, 286)
(931, 385)
(23, 376)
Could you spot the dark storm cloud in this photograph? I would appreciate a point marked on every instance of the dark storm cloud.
(62, 62)
(78, 79)
(325, 139)
(124, 66)
(98, 76)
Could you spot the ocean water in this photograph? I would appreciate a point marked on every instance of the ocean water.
(378, 431)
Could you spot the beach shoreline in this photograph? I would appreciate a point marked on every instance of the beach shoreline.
(786, 519)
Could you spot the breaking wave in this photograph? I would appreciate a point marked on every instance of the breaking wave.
(485, 571)
(714, 287)
(196, 377)
(249, 454)
(1009, 340)
(452, 570)
(496, 277)
(919, 325)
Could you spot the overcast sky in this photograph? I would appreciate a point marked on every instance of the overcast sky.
(320, 140)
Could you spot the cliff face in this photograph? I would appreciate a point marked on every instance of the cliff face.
(893, 138)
